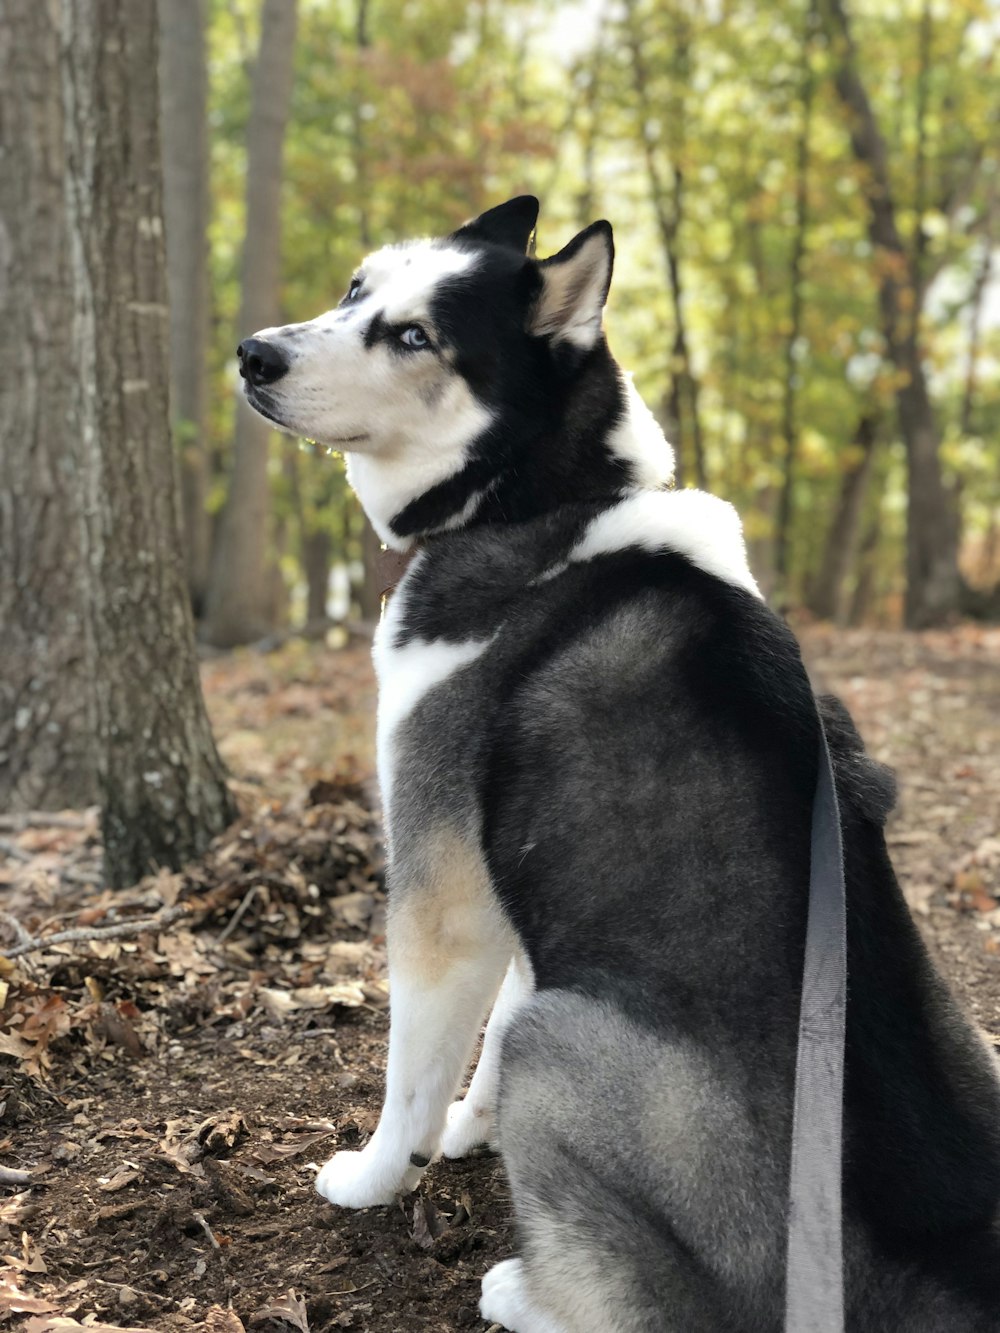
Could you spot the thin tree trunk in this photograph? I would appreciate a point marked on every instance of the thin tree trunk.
(238, 595)
(789, 421)
(158, 776)
(183, 101)
(933, 582)
(668, 207)
(840, 548)
(317, 558)
(370, 592)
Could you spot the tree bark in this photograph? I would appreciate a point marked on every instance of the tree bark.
(933, 582)
(46, 705)
(238, 596)
(840, 548)
(88, 68)
(184, 124)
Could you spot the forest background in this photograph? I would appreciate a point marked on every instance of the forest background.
(805, 205)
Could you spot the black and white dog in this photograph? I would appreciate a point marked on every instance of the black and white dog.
(597, 750)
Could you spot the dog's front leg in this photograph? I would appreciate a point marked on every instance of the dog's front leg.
(447, 953)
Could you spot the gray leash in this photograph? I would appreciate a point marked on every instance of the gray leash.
(814, 1295)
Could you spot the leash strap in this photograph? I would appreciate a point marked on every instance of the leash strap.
(814, 1294)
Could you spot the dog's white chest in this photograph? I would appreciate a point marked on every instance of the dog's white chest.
(406, 673)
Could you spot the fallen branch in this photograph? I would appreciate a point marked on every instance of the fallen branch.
(9, 1176)
(83, 934)
(20, 934)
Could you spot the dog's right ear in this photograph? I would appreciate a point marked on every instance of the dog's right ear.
(510, 224)
(575, 285)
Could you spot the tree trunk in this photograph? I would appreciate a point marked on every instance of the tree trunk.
(933, 582)
(238, 595)
(669, 210)
(85, 76)
(789, 416)
(46, 704)
(317, 557)
(183, 103)
(840, 549)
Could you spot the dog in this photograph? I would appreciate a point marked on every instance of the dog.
(597, 750)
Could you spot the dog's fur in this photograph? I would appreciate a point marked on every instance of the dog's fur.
(598, 749)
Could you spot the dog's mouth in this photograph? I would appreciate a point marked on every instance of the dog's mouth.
(263, 403)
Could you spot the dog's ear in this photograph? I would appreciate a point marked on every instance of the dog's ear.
(510, 224)
(575, 285)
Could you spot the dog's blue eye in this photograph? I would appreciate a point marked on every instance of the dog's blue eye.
(414, 336)
(354, 288)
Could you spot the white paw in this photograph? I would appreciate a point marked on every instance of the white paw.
(505, 1300)
(362, 1180)
(468, 1126)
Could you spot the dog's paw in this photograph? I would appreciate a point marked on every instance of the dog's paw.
(505, 1301)
(361, 1180)
(468, 1126)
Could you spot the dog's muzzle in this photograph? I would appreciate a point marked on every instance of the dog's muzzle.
(260, 362)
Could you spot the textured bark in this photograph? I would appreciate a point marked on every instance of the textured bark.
(841, 546)
(158, 776)
(46, 721)
(238, 596)
(933, 582)
(183, 102)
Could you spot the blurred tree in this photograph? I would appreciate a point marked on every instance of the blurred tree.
(240, 602)
(184, 125)
(933, 583)
(90, 477)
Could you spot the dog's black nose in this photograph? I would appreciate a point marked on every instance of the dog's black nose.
(260, 362)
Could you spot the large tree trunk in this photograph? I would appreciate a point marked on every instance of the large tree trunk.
(46, 704)
(238, 595)
(933, 582)
(183, 101)
(84, 77)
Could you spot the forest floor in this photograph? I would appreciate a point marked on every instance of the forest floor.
(168, 1093)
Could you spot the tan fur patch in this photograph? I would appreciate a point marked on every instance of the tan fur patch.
(447, 912)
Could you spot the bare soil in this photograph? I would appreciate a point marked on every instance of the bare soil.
(171, 1093)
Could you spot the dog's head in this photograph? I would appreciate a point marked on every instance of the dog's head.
(445, 361)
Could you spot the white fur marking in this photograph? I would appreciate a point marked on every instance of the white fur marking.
(406, 674)
(506, 1301)
(639, 439)
(697, 525)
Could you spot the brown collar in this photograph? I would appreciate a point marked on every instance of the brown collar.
(392, 565)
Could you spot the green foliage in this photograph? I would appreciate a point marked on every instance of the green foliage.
(411, 115)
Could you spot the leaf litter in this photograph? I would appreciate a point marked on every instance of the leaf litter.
(171, 1092)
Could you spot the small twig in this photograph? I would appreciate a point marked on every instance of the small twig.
(10, 1176)
(11, 849)
(200, 1219)
(237, 916)
(20, 934)
(42, 819)
(85, 933)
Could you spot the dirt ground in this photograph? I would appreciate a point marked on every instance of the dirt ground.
(169, 1092)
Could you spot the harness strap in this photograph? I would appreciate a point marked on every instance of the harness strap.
(814, 1292)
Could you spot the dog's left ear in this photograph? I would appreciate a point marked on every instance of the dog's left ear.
(575, 285)
(510, 224)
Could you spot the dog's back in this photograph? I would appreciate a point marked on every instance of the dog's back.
(647, 802)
